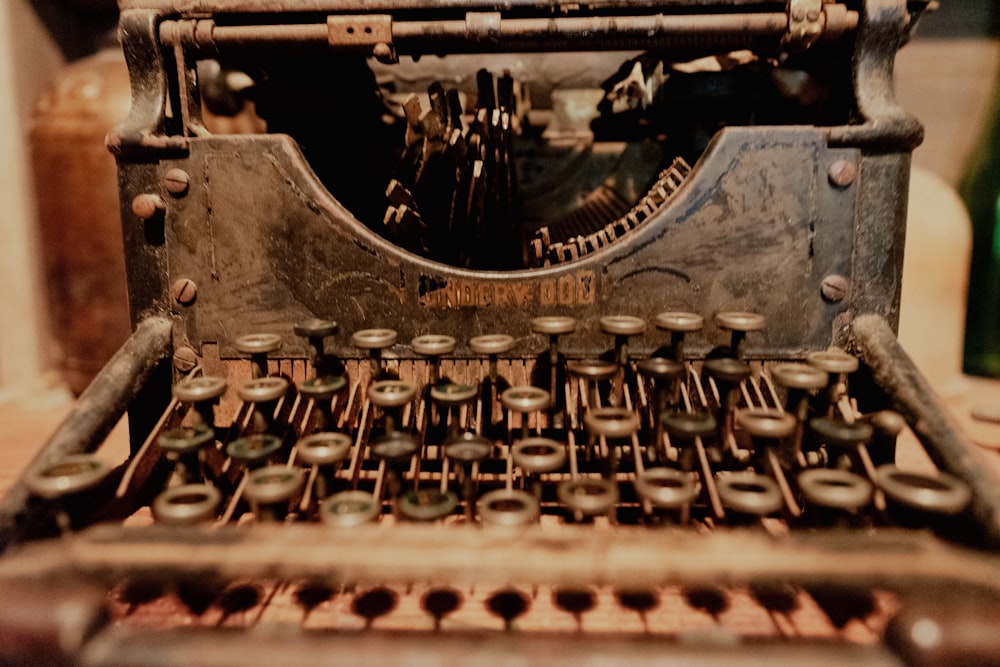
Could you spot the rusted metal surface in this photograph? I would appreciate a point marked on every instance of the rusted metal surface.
(96, 412)
(694, 250)
(914, 398)
(197, 647)
(903, 561)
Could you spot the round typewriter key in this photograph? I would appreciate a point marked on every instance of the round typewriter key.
(942, 494)
(688, 425)
(590, 497)
(611, 422)
(840, 434)
(740, 321)
(427, 504)
(349, 508)
(666, 488)
(315, 328)
(660, 368)
(391, 393)
(394, 446)
(198, 389)
(451, 396)
(468, 448)
(766, 422)
(679, 321)
(739, 324)
(749, 493)
(622, 325)
(373, 339)
(539, 455)
(525, 399)
(594, 370)
(263, 389)
(185, 439)
(254, 450)
(833, 488)
(258, 343)
(323, 449)
(186, 505)
(553, 325)
(491, 344)
(799, 376)
(321, 390)
(888, 425)
(183, 445)
(325, 387)
(508, 507)
(70, 474)
(433, 345)
(273, 484)
(725, 369)
(453, 393)
(258, 346)
(679, 324)
(833, 361)
(665, 374)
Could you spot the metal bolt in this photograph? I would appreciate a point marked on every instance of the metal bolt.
(842, 173)
(184, 291)
(177, 181)
(834, 287)
(147, 205)
(383, 53)
(185, 359)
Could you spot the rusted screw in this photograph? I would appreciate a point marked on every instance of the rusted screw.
(184, 291)
(185, 359)
(842, 173)
(147, 205)
(834, 287)
(177, 182)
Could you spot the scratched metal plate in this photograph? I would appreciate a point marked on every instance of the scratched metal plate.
(756, 226)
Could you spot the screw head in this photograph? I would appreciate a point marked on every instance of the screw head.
(834, 288)
(185, 359)
(177, 182)
(184, 291)
(147, 205)
(842, 173)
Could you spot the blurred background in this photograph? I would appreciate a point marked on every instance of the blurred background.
(64, 84)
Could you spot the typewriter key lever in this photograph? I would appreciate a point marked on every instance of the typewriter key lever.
(258, 346)
(492, 345)
(374, 341)
(316, 331)
(679, 324)
(739, 324)
(553, 326)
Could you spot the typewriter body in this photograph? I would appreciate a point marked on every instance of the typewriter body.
(527, 331)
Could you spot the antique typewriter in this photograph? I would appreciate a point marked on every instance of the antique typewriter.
(527, 331)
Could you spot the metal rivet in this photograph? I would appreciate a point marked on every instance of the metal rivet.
(185, 359)
(184, 291)
(147, 205)
(842, 173)
(177, 182)
(834, 287)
